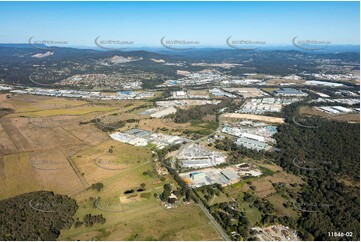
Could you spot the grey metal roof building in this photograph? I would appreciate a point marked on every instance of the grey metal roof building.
(286, 91)
(251, 144)
(230, 175)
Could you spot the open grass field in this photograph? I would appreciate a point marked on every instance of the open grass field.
(167, 126)
(271, 167)
(110, 158)
(34, 152)
(153, 124)
(40, 106)
(218, 199)
(13, 167)
(24, 172)
(28, 103)
(277, 201)
(264, 185)
(251, 212)
(6, 145)
(22, 134)
(65, 111)
(146, 220)
(137, 216)
(43, 146)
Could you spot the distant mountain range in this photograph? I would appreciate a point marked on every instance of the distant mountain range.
(328, 49)
(23, 53)
(12, 53)
(19, 61)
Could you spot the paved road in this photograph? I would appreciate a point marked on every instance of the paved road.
(204, 209)
(214, 223)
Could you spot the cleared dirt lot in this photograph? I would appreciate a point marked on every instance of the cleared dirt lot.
(278, 81)
(254, 117)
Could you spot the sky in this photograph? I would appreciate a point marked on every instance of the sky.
(209, 23)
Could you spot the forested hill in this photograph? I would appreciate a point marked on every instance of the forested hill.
(35, 216)
(327, 154)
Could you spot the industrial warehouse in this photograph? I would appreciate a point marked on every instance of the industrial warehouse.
(285, 91)
(263, 105)
(251, 134)
(139, 137)
(224, 177)
(334, 110)
(195, 156)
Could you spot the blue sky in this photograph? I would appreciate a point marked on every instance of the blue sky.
(210, 23)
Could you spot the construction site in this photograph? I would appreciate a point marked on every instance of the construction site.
(276, 232)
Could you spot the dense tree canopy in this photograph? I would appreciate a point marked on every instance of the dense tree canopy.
(35, 216)
(327, 154)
